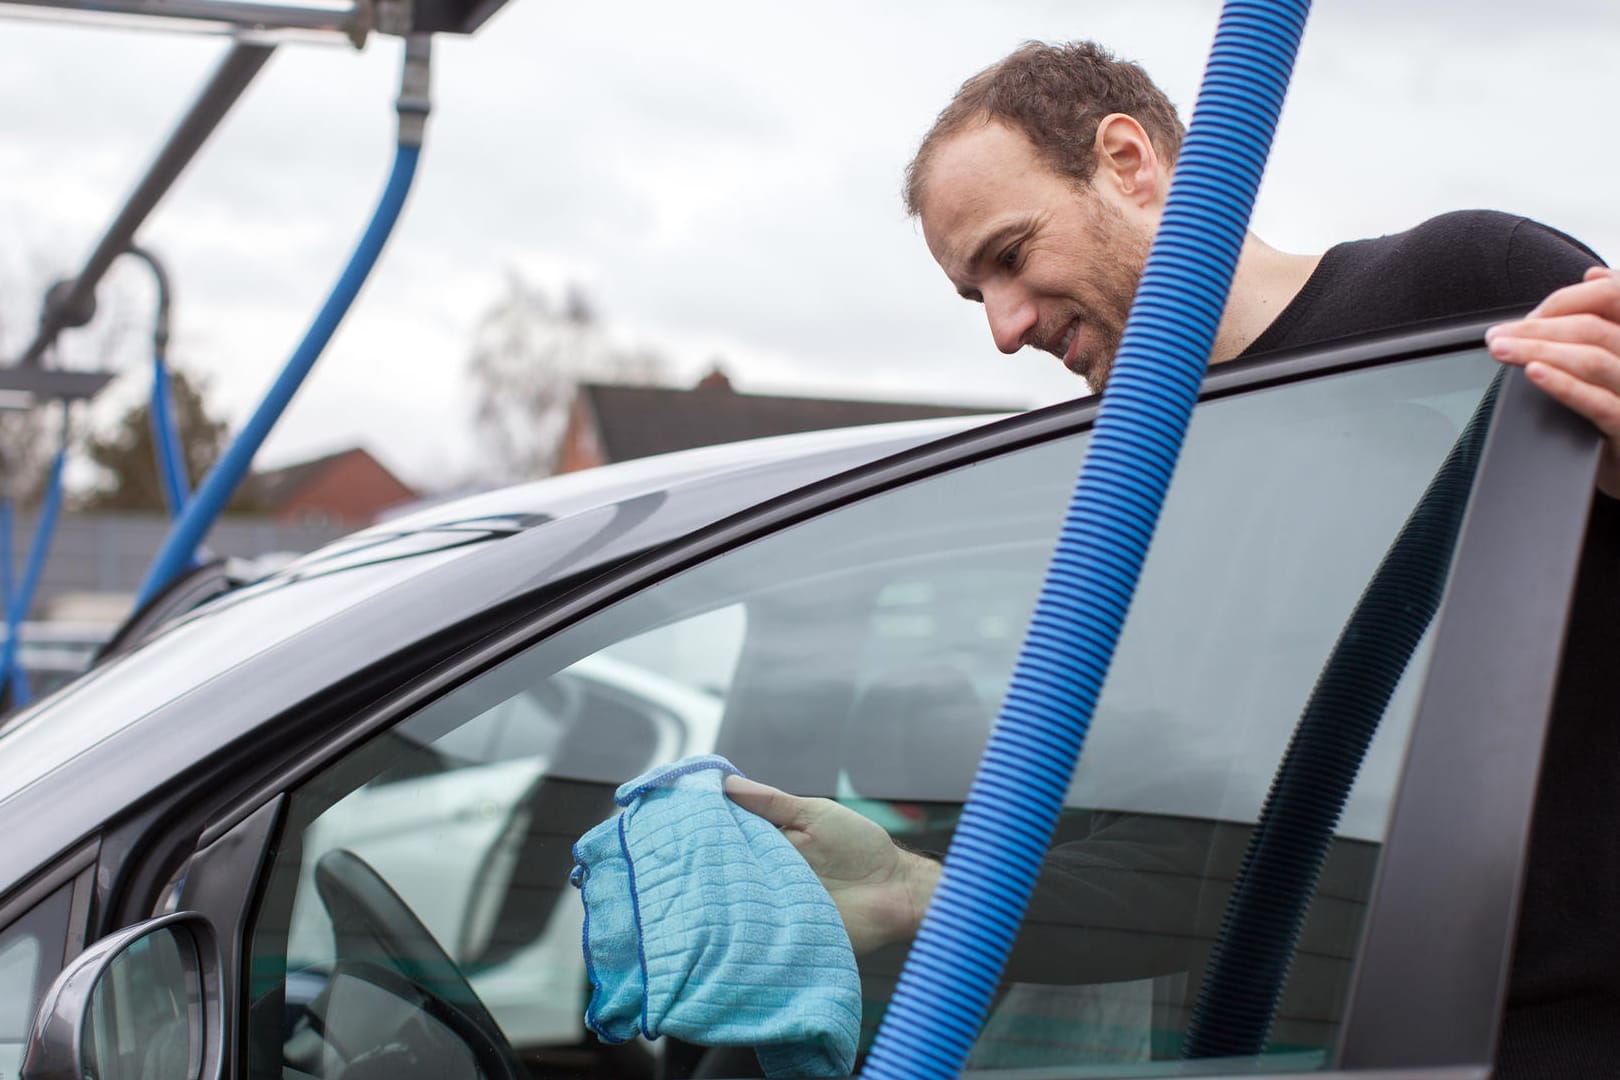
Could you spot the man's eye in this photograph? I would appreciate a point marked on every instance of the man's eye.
(1009, 258)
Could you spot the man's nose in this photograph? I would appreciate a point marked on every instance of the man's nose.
(1011, 319)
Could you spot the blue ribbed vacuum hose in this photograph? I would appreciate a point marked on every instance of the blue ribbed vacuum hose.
(180, 546)
(1249, 963)
(996, 852)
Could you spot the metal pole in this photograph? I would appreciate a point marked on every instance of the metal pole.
(341, 18)
(73, 303)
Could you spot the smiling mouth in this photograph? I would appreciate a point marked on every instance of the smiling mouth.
(1065, 346)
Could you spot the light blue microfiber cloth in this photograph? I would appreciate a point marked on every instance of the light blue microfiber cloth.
(703, 922)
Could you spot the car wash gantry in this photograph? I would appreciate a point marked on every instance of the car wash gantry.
(30, 381)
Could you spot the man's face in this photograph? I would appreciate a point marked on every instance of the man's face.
(1055, 264)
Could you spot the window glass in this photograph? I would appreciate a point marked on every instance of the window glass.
(31, 951)
(19, 992)
(862, 655)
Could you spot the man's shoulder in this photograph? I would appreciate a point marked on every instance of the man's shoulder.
(1493, 233)
(1458, 236)
(1476, 258)
(1459, 263)
(1474, 226)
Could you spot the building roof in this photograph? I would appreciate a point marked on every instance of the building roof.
(331, 481)
(274, 487)
(639, 421)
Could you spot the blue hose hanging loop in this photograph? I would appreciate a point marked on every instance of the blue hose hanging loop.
(166, 442)
(180, 547)
(12, 675)
(166, 438)
(994, 857)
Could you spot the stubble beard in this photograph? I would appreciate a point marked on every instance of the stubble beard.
(1115, 285)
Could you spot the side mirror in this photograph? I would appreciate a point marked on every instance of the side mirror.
(143, 1002)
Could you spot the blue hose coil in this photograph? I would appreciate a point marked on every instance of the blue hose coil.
(951, 973)
(171, 456)
(1249, 964)
(180, 546)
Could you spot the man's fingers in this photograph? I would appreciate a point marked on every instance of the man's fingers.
(1583, 329)
(774, 805)
(1598, 293)
(1599, 405)
(1596, 365)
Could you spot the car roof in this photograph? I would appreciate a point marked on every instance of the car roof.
(780, 462)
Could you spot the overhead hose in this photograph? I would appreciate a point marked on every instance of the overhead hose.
(180, 546)
(1249, 963)
(12, 675)
(995, 854)
(166, 442)
(171, 453)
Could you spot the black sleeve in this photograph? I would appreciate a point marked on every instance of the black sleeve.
(1541, 259)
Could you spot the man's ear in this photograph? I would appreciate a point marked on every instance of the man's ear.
(1127, 163)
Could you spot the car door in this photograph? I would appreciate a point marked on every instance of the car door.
(853, 642)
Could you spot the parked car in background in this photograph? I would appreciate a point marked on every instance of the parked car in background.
(53, 654)
(320, 826)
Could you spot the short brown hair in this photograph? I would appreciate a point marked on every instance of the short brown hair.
(1056, 95)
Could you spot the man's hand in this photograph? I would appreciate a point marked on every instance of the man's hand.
(1569, 346)
(881, 890)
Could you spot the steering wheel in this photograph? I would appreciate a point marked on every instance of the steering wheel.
(371, 924)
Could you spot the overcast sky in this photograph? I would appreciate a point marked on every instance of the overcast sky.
(723, 179)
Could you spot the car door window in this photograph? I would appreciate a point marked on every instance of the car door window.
(861, 655)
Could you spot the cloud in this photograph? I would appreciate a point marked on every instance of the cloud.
(724, 178)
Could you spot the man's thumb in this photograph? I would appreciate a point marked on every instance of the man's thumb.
(774, 805)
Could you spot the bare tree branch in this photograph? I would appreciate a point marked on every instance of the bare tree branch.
(529, 353)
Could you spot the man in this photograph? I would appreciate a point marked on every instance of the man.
(1039, 189)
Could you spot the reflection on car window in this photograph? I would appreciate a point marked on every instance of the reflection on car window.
(31, 952)
(19, 991)
(469, 811)
(862, 655)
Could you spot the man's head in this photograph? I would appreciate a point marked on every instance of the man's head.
(1038, 189)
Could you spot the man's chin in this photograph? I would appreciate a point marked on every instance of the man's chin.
(1087, 369)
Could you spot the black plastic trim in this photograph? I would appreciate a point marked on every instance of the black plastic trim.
(79, 915)
(69, 868)
(1434, 963)
(221, 884)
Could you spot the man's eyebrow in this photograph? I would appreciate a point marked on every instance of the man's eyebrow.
(996, 238)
